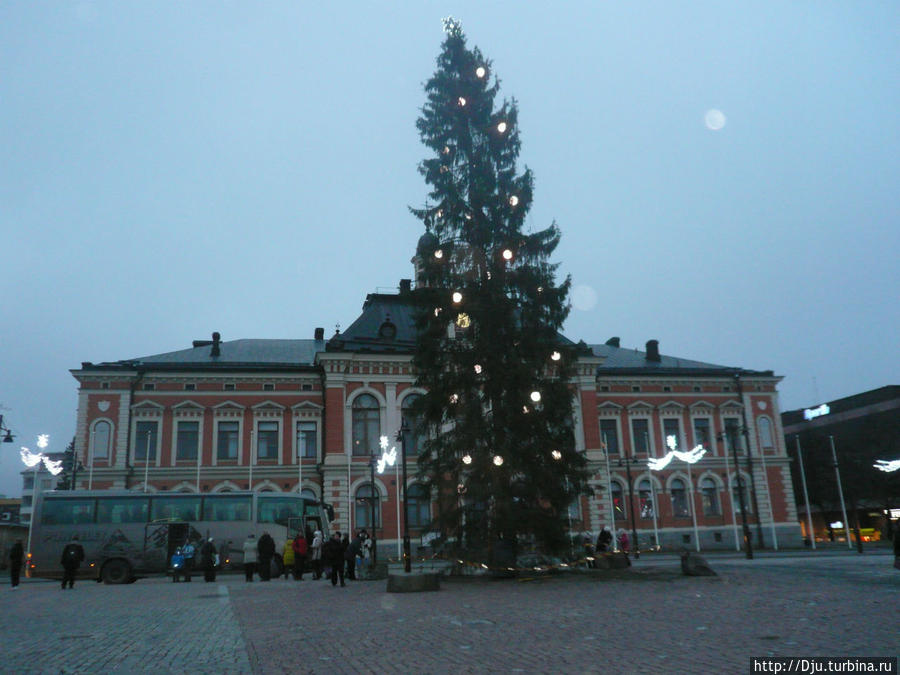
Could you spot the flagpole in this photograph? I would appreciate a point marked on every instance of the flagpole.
(612, 504)
(397, 483)
(250, 482)
(652, 495)
(737, 538)
(91, 462)
(199, 462)
(350, 498)
(812, 537)
(146, 460)
(837, 473)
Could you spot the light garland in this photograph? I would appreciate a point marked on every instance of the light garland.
(887, 466)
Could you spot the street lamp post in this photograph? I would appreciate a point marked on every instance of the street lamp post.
(637, 548)
(8, 438)
(745, 430)
(690, 458)
(372, 498)
(737, 468)
(407, 556)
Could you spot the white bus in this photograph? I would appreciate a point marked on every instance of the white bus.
(128, 534)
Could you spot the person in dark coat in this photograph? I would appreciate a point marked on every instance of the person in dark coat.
(16, 553)
(188, 551)
(72, 555)
(354, 548)
(266, 549)
(208, 555)
(604, 540)
(333, 555)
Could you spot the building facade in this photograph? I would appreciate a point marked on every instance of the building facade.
(309, 414)
(853, 432)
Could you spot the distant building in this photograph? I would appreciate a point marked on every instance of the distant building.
(9, 510)
(306, 415)
(863, 429)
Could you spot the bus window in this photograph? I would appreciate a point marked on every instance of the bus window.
(226, 507)
(278, 509)
(67, 511)
(122, 509)
(175, 508)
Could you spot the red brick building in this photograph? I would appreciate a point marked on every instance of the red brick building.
(307, 414)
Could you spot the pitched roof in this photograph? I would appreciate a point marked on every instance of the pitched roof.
(234, 354)
(387, 324)
(623, 361)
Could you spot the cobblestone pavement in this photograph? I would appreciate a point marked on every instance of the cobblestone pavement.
(646, 619)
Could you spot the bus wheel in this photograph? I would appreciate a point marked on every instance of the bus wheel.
(116, 572)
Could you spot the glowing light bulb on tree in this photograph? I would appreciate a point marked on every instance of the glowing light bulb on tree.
(478, 369)
(446, 150)
(507, 254)
(454, 398)
(501, 127)
(513, 201)
(480, 72)
(439, 254)
(498, 460)
(462, 101)
(467, 459)
(457, 297)
(555, 356)
(536, 396)
(556, 454)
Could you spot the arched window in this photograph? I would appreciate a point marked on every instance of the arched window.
(679, 499)
(618, 500)
(306, 493)
(766, 439)
(739, 489)
(418, 504)
(646, 495)
(709, 493)
(100, 436)
(366, 425)
(367, 502)
(414, 438)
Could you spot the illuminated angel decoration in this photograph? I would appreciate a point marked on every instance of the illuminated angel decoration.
(691, 457)
(388, 457)
(887, 465)
(29, 458)
(54, 467)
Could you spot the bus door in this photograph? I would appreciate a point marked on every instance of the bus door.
(160, 541)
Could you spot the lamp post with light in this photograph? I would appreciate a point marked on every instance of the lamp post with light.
(637, 548)
(407, 556)
(8, 438)
(34, 460)
(690, 457)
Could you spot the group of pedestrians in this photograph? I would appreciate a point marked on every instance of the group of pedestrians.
(335, 558)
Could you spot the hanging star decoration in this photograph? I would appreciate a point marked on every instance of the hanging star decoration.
(691, 457)
(388, 457)
(887, 465)
(32, 459)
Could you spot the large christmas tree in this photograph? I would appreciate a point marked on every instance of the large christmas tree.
(498, 418)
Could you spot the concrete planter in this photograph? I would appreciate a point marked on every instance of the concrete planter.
(413, 582)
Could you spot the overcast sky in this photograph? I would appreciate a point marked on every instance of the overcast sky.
(725, 177)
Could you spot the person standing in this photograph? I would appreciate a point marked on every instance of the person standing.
(316, 554)
(353, 550)
(624, 543)
(16, 553)
(604, 539)
(72, 555)
(250, 557)
(188, 552)
(266, 550)
(299, 548)
(333, 555)
(177, 564)
(287, 558)
(208, 558)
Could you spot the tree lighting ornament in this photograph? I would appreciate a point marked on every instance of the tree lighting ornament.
(480, 72)
(556, 454)
(467, 459)
(457, 297)
(507, 254)
(887, 466)
(498, 460)
(462, 101)
(513, 201)
(439, 254)
(555, 356)
(536, 396)
(501, 127)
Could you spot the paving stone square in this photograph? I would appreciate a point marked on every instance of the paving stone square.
(648, 619)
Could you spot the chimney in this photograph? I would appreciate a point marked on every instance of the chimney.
(319, 334)
(613, 342)
(405, 286)
(216, 340)
(653, 351)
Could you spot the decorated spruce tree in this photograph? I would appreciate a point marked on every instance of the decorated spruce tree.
(498, 411)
